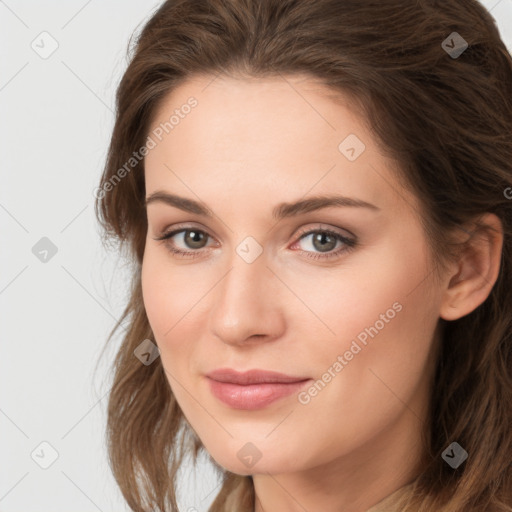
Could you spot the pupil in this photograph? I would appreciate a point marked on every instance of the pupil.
(321, 237)
(194, 237)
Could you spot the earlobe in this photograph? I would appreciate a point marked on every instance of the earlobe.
(477, 270)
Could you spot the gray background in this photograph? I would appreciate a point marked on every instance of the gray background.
(57, 309)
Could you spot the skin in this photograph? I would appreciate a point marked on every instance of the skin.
(247, 146)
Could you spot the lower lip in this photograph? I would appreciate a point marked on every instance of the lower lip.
(253, 396)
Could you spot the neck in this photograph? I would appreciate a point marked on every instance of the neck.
(352, 482)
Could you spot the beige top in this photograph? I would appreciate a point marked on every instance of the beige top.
(388, 504)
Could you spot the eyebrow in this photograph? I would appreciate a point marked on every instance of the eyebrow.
(281, 211)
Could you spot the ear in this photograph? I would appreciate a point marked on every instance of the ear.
(475, 271)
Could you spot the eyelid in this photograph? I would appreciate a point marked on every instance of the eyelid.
(302, 231)
(184, 226)
(323, 227)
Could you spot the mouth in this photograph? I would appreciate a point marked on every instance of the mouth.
(254, 389)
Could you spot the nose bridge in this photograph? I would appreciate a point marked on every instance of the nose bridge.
(245, 299)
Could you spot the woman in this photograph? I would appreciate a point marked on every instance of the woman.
(316, 197)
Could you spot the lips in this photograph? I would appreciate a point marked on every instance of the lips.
(254, 389)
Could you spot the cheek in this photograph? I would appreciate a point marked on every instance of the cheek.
(385, 294)
(172, 300)
(373, 306)
(158, 290)
(154, 286)
(383, 314)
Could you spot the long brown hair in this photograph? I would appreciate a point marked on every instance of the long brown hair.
(445, 118)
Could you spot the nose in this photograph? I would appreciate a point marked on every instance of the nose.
(248, 304)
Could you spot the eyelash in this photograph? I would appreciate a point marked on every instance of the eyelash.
(350, 244)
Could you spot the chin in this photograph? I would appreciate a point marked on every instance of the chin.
(275, 464)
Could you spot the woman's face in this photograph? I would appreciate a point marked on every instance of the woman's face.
(350, 312)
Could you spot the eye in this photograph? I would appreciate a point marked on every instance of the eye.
(325, 240)
(192, 240)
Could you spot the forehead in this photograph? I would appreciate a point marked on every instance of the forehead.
(274, 112)
(265, 136)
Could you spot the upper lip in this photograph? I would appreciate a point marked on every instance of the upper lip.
(255, 376)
